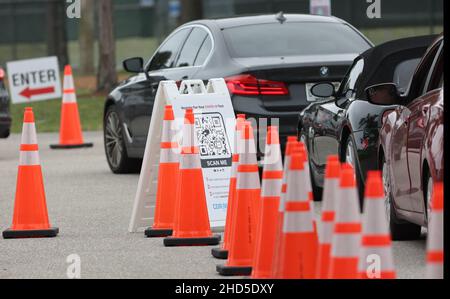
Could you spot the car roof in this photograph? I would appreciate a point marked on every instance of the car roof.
(224, 23)
(380, 61)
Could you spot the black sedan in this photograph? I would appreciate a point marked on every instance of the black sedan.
(267, 61)
(347, 124)
(5, 118)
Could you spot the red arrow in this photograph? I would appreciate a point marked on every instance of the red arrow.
(29, 92)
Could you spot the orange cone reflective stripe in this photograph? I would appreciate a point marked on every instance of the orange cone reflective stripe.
(270, 198)
(376, 258)
(167, 179)
(30, 217)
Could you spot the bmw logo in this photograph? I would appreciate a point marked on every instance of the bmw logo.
(324, 71)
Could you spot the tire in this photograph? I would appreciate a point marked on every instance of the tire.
(400, 229)
(317, 191)
(115, 149)
(350, 152)
(5, 134)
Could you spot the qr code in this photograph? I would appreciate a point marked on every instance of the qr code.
(211, 135)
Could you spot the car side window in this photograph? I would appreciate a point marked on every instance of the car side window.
(204, 51)
(403, 73)
(191, 47)
(420, 77)
(352, 77)
(437, 72)
(166, 54)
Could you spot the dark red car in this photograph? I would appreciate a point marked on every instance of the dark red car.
(411, 143)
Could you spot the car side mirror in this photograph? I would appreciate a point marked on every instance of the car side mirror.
(383, 94)
(134, 65)
(323, 90)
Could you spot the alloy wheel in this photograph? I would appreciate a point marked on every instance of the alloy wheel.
(113, 139)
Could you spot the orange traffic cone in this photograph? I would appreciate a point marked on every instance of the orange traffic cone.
(345, 246)
(292, 145)
(167, 178)
(240, 254)
(331, 184)
(376, 238)
(435, 239)
(70, 134)
(191, 222)
(270, 200)
(302, 148)
(222, 252)
(30, 218)
(299, 240)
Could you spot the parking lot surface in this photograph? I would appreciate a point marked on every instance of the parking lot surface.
(92, 208)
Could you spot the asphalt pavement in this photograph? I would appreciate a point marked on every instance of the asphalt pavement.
(92, 208)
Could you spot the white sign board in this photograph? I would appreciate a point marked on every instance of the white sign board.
(214, 125)
(34, 79)
(320, 7)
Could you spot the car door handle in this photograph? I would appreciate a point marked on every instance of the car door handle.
(184, 77)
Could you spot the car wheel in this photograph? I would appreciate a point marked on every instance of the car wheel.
(428, 193)
(5, 134)
(317, 191)
(115, 150)
(350, 158)
(400, 230)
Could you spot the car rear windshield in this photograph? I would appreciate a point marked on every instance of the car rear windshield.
(290, 39)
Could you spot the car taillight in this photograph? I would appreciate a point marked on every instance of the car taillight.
(2, 74)
(249, 85)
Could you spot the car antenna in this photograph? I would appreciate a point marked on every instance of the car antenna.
(280, 17)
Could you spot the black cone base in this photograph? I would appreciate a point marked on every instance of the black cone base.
(207, 241)
(219, 253)
(157, 233)
(233, 270)
(71, 146)
(41, 233)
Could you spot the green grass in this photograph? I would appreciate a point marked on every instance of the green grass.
(47, 114)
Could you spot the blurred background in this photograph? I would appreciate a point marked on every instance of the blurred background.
(127, 28)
